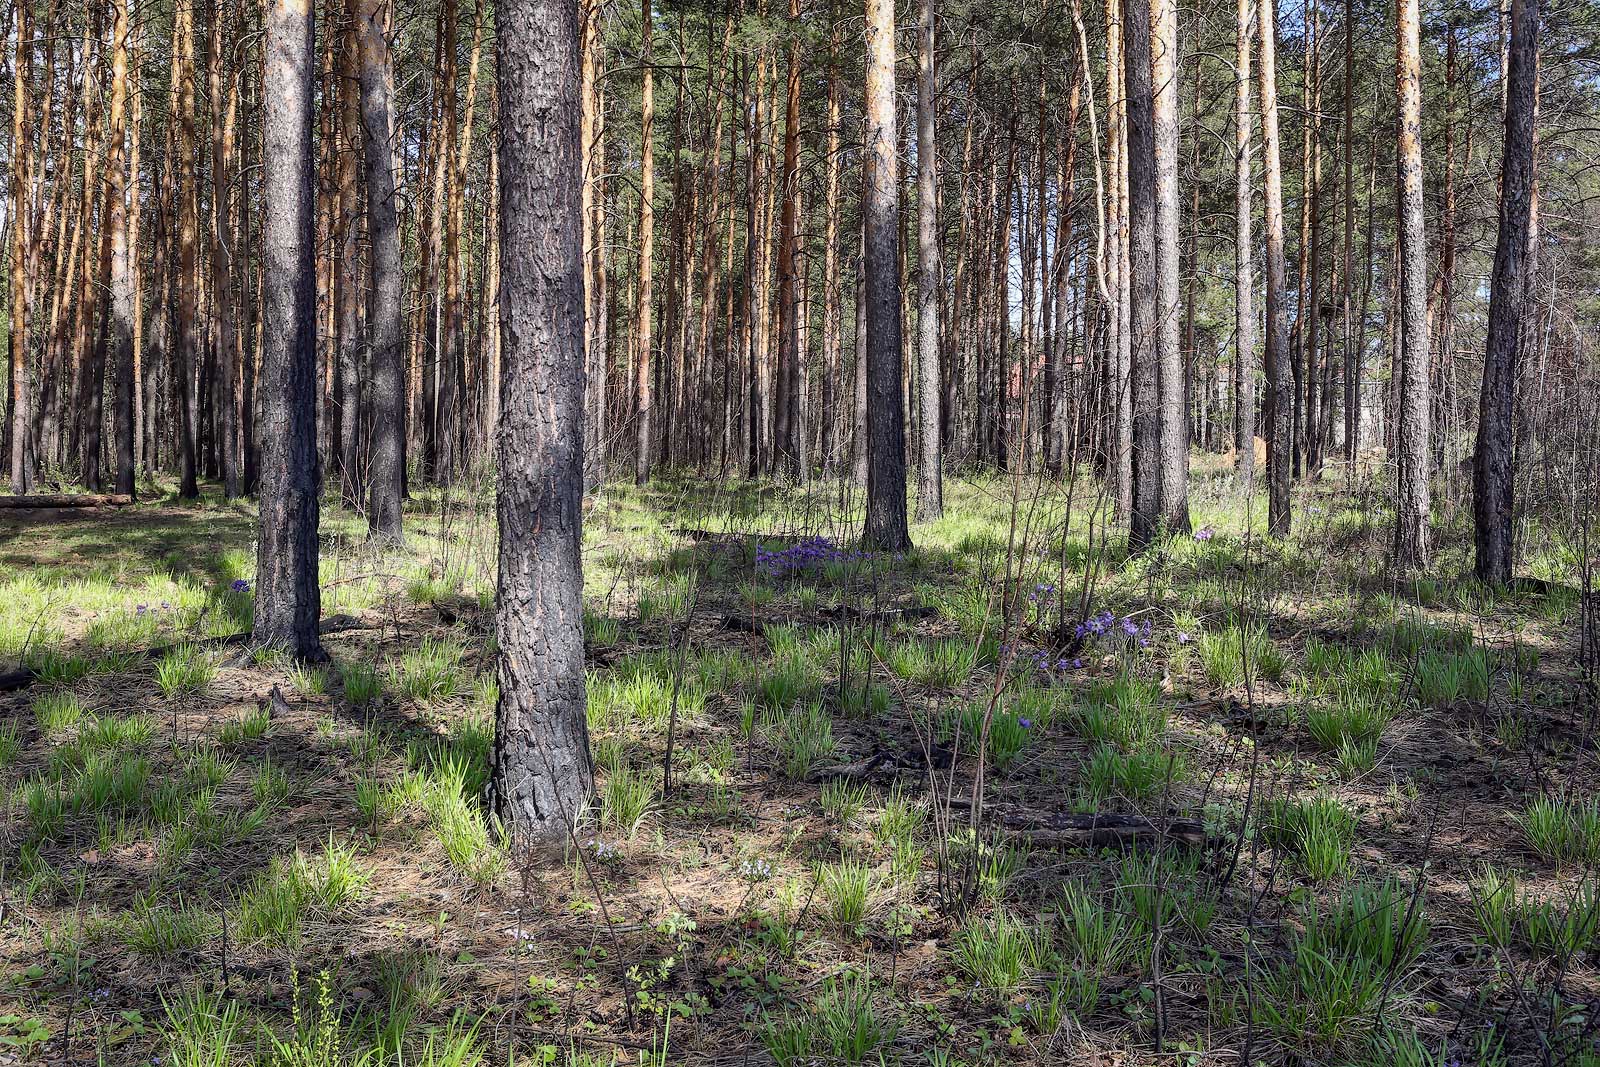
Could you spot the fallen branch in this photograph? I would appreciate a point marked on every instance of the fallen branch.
(66, 500)
(1094, 830)
(25, 676)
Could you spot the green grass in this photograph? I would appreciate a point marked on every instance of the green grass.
(842, 1025)
(361, 683)
(57, 710)
(803, 739)
(1562, 830)
(997, 954)
(1233, 655)
(250, 725)
(627, 796)
(184, 671)
(431, 672)
(847, 890)
(1319, 830)
(1137, 776)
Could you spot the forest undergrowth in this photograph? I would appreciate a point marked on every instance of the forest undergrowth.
(844, 799)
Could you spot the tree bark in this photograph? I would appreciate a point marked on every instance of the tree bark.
(123, 308)
(187, 352)
(385, 308)
(1172, 486)
(1493, 470)
(288, 598)
(930, 479)
(1280, 387)
(541, 771)
(1144, 313)
(22, 465)
(643, 340)
(1412, 461)
(1244, 343)
(886, 460)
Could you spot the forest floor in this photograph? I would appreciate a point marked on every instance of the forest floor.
(1370, 831)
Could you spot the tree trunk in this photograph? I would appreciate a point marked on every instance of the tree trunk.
(1412, 460)
(22, 467)
(541, 771)
(187, 354)
(1280, 387)
(1172, 485)
(930, 480)
(1244, 343)
(385, 310)
(643, 440)
(123, 309)
(1493, 472)
(886, 460)
(288, 599)
(1145, 311)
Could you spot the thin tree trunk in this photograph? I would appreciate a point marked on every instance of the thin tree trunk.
(1280, 387)
(1145, 321)
(1244, 344)
(1172, 476)
(22, 466)
(187, 352)
(643, 340)
(930, 481)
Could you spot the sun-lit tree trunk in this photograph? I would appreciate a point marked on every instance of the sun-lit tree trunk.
(541, 772)
(1280, 386)
(930, 479)
(1494, 474)
(1412, 459)
(644, 440)
(1172, 477)
(1244, 344)
(288, 598)
(22, 468)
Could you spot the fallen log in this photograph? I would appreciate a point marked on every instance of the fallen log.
(24, 676)
(1093, 830)
(66, 500)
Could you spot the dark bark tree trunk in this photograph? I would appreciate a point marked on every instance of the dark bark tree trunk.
(886, 460)
(351, 339)
(643, 339)
(1280, 387)
(542, 774)
(1144, 318)
(1412, 461)
(385, 308)
(187, 351)
(288, 598)
(1493, 472)
(930, 480)
(17, 400)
